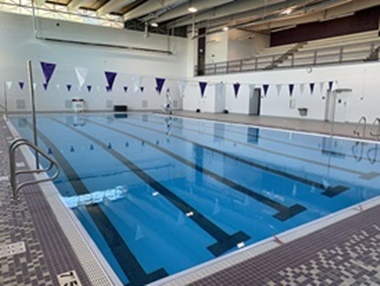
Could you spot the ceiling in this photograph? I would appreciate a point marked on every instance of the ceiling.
(216, 15)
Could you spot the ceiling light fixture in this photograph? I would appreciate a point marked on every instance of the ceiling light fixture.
(225, 28)
(287, 11)
(154, 24)
(192, 9)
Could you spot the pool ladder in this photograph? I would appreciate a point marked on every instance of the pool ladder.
(361, 123)
(375, 123)
(12, 162)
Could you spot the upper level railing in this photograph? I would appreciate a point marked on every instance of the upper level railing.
(349, 53)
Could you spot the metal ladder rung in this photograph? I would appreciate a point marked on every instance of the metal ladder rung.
(362, 120)
(375, 122)
(13, 173)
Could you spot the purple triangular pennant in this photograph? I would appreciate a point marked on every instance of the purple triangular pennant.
(141, 88)
(291, 89)
(21, 84)
(125, 88)
(45, 84)
(110, 76)
(160, 83)
(47, 69)
(108, 88)
(89, 87)
(312, 85)
(68, 86)
(330, 85)
(202, 85)
(265, 87)
(236, 88)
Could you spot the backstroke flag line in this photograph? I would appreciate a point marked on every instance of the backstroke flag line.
(48, 70)
(81, 75)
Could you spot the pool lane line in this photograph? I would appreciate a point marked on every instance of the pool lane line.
(327, 191)
(283, 213)
(365, 176)
(281, 141)
(224, 242)
(120, 250)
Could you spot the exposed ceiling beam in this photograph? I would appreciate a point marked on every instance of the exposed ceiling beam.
(183, 9)
(112, 5)
(75, 4)
(148, 7)
(272, 13)
(226, 10)
(329, 14)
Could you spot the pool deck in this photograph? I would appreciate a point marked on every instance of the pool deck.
(346, 252)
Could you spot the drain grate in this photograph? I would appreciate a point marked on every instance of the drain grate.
(12, 249)
(68, 278)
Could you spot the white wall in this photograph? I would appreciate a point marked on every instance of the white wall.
(19, 45)
(216, 48)
(362, 78)
(243, 45)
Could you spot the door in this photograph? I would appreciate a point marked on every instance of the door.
(254, 102)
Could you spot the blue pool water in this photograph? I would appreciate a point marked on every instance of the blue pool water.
(159, 194)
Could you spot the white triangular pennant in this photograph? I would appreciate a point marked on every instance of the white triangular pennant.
(321, 84)
(139, 233)
(81, 75)
(216, 209)
(136, 83)
(279, 87)
(302, 88)
(181, 87)
(8, 84)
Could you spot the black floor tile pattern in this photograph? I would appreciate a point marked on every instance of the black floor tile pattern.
(31, 220)
(344, 253)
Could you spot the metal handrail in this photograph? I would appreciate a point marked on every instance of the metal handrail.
(12, 164)
(356, 131)
(377, 121)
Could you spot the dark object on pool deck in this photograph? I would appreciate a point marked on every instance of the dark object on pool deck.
(197, 110)
(120, 108)
(225, 111)
(302, 111)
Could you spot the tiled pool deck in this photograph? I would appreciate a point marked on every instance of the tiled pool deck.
(343, 253)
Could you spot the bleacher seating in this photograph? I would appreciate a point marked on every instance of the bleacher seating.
(357, 47)
(340, 49)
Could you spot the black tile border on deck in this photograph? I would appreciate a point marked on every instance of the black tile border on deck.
(344, 253)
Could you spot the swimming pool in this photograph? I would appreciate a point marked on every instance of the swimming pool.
(160, 194)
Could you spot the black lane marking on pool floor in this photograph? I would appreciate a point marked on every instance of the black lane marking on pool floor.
(328, 191)
(284, 212)
(273, 129)
(224, 241)
(303, 159)
(124, 256)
